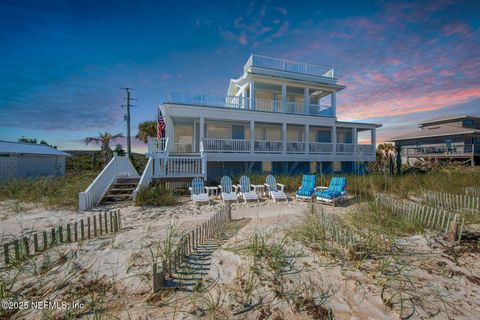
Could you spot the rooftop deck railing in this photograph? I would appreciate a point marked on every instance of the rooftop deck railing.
(264, 105)
(288, 65)
(443, 150)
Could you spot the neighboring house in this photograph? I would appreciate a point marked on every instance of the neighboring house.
(446, 139)
(279, 116)
(24, 160)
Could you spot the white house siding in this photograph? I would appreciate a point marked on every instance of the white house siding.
(26, 166)
(8, 167)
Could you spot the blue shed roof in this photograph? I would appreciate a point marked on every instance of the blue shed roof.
(30, 148)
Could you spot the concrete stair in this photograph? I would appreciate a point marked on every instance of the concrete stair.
(121, 191)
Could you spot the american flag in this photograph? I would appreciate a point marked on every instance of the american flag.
(160, 125)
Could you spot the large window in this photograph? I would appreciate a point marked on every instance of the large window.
(218, 131)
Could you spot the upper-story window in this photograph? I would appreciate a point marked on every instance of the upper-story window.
(468, 123)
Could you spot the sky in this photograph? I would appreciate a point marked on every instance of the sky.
(62, 63)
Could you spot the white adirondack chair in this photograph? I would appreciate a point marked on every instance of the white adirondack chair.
(197, 191)
(272, 189)
(246, 190)
(227, 190)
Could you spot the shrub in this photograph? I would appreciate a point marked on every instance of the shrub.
(155, 195)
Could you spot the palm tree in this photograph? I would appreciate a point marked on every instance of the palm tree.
(146, 129)
(104, 139)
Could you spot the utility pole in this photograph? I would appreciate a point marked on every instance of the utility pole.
(127, 118)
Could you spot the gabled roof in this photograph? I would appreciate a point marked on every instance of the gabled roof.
(30, 148)
(438, 132)
(448, 117)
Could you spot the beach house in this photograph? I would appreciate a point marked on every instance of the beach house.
(279, 116)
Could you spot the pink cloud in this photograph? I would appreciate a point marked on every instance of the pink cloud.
(454, 28)
(242, 39)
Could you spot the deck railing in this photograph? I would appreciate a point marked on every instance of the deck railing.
(320, 147)
(366, 149)
(443, 150)
(264, 105)
(226, 145)
(344, 148)
(266, 146)
(178, 167)
(156, 146)
(119, 166)
(288, 65)
(296, 146)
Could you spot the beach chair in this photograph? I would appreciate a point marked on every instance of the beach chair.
(226, 189)
(246, 190)
(197, 191)
(335, 192)
(307, 189)
(272, 189)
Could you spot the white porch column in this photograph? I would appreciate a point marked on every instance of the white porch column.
(355, 142)
(202, 129)
(334, 103)
(252, 136)
(284, 97)
(252, 95)
(170, 134)
(284, 137)
(307, 138)
(334, 140)
(306, 98)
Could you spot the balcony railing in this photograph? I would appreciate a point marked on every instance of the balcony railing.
(296, 146)
(226, 145)
(344, 148)
(320, 147)
(288, 65)
(366, 149)
(266, 146)
(443, 150)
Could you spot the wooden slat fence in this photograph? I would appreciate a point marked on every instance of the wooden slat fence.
(94, 226)
(472, 191)
(453, 202)
(430, 217)
(187, 244)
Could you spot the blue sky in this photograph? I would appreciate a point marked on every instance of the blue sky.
(62, 63)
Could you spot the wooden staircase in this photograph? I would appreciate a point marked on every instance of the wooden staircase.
(121, 191)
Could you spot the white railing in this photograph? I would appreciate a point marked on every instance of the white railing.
(365, 149)
(268, 105)
(264, 105)
(196, 99)
(288, 65)
(157, 146)
(119, 166)
(344, 148)
(178, 166)
(443, 149)
(146, 177)
(265, 146)
(296, 147)
(183, 147)
(226, 145)
(320, 147)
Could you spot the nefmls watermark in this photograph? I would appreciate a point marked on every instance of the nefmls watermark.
(40, 305)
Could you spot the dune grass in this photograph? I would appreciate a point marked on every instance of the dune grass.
(155, 195)
(50, 192)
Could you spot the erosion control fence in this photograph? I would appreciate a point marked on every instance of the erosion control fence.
(38, 241)
(454, 202)
(427, 216)
(189, 242)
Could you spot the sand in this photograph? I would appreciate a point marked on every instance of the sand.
(112, 274)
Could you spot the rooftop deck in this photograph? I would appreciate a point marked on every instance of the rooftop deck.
(244, 103)
(289, 66)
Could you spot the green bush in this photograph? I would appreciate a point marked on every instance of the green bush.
(155, 195)
(51, 192)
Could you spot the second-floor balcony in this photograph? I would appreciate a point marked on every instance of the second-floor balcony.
(245, 103)
(442, 150)
(228, 146)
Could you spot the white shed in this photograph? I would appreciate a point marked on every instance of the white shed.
(22, 160)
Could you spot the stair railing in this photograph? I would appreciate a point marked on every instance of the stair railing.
(145, 179)
(118, 166)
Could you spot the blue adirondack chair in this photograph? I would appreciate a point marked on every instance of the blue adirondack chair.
(227, 190)
(335, 192)
(307, 189)
(246, 190)
(197, 191)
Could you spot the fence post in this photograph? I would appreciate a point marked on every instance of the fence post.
(88, 228)
(82, 229)
(17, 249)
(229, 211)
(26, 245)
(60, 234)
(106, 222)
(45, 240)
(100, 223)
(35, 243)
(119, 220)
(75, 231)
(111, 220)
(6, 252)
(53, 236)
(453, 231)
(69, 233)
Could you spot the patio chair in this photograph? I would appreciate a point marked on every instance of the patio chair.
(246, 189)
(226, 189)
(272, 189)
(335, 192)
(197, 191)
(307, 189)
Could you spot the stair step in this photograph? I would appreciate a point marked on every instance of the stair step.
(128, 180)
(117, 197)
(115, 190)
(124, 184)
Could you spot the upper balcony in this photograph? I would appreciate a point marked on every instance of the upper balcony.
(245, 103)
(289, 66)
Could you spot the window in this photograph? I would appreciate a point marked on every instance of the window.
(337, 166)
(468, 123)
(218, 131)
